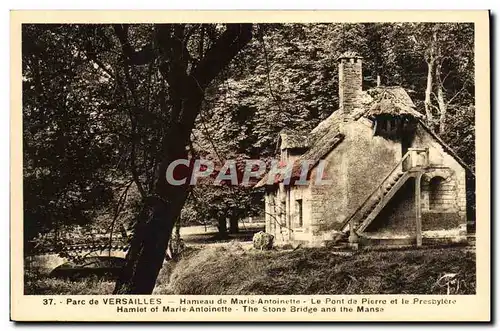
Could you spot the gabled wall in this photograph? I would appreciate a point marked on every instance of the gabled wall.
(442, 206)
(447, 212)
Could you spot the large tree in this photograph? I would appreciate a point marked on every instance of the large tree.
(129, 95)
(189, 58)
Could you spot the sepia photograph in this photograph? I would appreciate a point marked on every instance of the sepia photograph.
(239, 159)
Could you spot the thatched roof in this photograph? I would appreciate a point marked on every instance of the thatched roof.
(321, 140)
(392, 101)
(349, 55)
(290, 139)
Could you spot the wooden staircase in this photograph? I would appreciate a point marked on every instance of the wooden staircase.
(409, 166)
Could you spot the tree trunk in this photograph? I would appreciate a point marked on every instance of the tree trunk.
(149, 244)
(443, 107)
(233, 225)
(431, 62)
(428, 91)
(156, 221)
(154, 225)
(222, 226)
(178, 228)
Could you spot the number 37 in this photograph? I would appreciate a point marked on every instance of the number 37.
(48, 301)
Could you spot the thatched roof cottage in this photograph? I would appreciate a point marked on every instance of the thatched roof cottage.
(391, 179)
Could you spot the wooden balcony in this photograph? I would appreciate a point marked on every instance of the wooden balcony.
(416, 158)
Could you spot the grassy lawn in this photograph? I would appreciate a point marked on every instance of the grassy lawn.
(230, 269)
(197, 235)
(237, 269)
(37, 283)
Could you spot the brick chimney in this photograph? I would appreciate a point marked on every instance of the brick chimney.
(350, 82)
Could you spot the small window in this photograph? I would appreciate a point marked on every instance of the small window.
(388, 126)
(300, 221)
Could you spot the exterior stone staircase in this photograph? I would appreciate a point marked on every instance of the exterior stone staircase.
(409, 166)
(380, 201)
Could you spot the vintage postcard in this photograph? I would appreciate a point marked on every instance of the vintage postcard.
(250, 166)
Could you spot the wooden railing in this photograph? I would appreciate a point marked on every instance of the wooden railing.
(417, 158)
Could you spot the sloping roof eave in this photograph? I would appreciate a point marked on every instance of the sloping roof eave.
(447, 148)
(337, 139)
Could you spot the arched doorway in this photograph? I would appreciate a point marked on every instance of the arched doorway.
(436, 193)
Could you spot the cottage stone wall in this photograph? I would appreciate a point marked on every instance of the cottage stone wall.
(302, 233)
(281, 209)
(328, 202)
(282, 214)
(356, 167)
(446, 214)
(370, 159)
(269, 211)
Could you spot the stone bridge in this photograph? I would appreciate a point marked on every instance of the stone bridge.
(46, 260)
